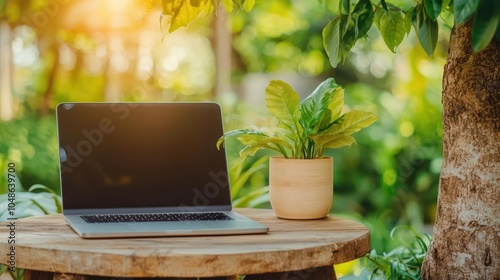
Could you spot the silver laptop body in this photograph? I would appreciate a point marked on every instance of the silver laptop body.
(145, 169)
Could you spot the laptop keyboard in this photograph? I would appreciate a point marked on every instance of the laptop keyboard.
(169, 217)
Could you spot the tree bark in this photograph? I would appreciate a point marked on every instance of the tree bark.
(466, 238)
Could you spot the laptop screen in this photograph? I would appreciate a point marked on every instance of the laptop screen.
(123, 155)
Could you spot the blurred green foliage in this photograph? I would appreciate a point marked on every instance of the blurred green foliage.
(389, 178)
(280, 36)
(31, 144)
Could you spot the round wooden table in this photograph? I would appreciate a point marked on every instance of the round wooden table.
(48, 248)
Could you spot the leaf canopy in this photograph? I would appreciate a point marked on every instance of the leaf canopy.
(348, 24)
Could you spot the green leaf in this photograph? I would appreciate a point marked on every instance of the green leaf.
(391, 27)
(252, 197)
(331, 40)
(228, 5)
(325, 121)
(283, 103)
(251, 138)
(3, 268)
(338, 135)
(239, 178)
(445, 5)
(363, 14)
(485, 24)
(409, 20)
(353, 122)
(464, 9)
(355, 26)
(345, 7)
(180, 13)
(315, 105)
(384, 5)
(336, 104)
(248, 5)
(55, 197)
(433, 8)
(170, 7)
(236, 133)
(270, 143)
(427, 31)
(334, 141)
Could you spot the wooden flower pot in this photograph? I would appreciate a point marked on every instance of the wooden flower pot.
(301, 188)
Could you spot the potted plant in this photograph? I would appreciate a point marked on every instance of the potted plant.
(301, 179)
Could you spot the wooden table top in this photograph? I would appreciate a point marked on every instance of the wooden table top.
(47, 243)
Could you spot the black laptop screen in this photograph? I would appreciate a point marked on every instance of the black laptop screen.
(124, 155)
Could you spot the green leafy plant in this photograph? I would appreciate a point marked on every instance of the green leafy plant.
(178, 13)
(353, 19)
(239, 177)
(16, 274)
(404, 261)
(38, 200)
(305, 128)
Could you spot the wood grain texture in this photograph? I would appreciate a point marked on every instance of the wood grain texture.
(301, 189)
(48, 244)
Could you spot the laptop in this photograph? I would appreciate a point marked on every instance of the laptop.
(145, 169)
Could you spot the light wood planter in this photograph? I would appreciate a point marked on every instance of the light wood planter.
(301, 189)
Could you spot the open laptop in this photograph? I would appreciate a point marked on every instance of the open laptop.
(145, 169)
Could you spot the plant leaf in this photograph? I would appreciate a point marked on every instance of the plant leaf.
(270, 143)
(170, 7)
(384, 5)
(334, 110)
(464, 9)
(427, 31)
(250, 198)
(409, 15)
(485, 24)
(238, 178)
(228, 5)
(433, 8)
(336, 104)
(331, 40)
(353, 122)
(363, 12)
(355, 26)
(315, 105)
(333, 141)
(181, 12)
(235, 133)
(248, 5)
(251, 138)
(325, 121)
(283, 103)
(391, 26)
(345, 7)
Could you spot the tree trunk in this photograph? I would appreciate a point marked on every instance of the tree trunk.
(466, 238)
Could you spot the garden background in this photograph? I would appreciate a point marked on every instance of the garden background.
(55, 51)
